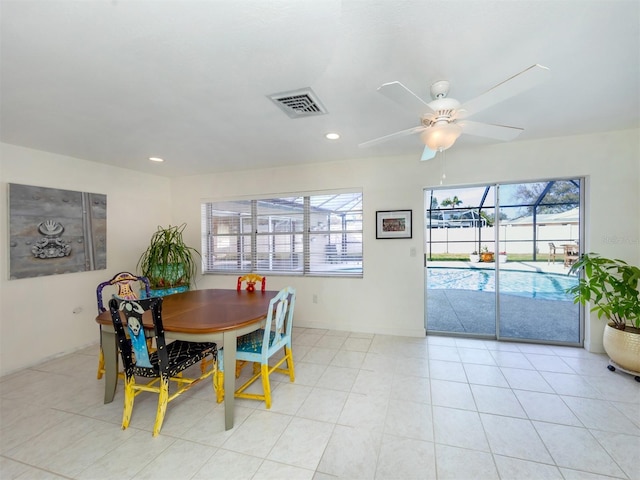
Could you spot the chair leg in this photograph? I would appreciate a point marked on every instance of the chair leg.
(100, 363)
(177, 378)
(264, 369)
(239, 366)
(214, 382)
(204, 364)
(289, 356)
(218, 384)
(163, 398)
(129, 397)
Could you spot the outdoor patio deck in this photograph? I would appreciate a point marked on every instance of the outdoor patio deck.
(473, 312)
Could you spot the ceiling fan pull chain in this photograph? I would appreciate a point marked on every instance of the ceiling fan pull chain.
(444, 158)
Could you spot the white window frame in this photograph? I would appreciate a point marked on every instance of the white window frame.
(305, 245)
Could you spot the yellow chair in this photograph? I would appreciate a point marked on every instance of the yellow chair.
(261, 345)
(164, 365)
(127, 285)
(251, 279)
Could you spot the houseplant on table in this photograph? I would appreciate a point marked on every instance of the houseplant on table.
(610, 286)
(168, 262)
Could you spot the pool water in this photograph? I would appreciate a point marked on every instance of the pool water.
(547, 286)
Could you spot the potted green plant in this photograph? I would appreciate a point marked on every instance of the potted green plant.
(168, 262)
(610, 286)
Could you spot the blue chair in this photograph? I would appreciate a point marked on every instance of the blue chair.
(261, 345)
(164, 365)
(250, 280)
(127, 285)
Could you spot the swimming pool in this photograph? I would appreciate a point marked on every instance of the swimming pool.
(547, 286)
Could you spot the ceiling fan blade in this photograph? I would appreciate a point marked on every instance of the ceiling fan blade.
(401, 133)
(511, 87)
(427, 154)
(405, 97)
(497, 132)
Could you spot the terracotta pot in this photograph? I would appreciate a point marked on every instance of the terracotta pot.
(486, 256)
(623, 347)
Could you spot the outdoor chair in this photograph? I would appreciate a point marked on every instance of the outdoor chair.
(570, 255)
(261, 345)
(163, 366)
(127, 285)
(552, 253)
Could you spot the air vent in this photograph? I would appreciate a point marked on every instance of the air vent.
(299, 103)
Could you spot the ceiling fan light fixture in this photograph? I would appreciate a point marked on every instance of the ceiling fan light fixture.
(441, 135)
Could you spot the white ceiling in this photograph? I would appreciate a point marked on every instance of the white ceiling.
(118, 81)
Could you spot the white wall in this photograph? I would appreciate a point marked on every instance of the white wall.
(371, 304)
(36, 314)
(390, 298)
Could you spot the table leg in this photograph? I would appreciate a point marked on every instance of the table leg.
(110, 350)
(229, 341)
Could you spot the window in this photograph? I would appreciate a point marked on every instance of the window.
(304, 235)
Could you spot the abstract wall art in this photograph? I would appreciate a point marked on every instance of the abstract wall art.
(54, 231)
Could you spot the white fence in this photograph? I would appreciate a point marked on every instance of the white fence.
(513, 238)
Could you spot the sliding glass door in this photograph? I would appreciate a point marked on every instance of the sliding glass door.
(460, 286)
(498, 259)
(539, 225)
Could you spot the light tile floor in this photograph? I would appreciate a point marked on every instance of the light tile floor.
(362, 407)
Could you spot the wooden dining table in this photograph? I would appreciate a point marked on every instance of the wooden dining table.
(210, 315)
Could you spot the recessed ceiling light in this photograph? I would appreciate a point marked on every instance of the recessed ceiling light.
(156, 159)
(332, 136)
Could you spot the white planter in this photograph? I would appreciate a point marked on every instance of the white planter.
(623, 347)
(474, 258)
(502, 258)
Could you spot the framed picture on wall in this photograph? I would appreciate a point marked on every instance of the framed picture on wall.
(54, 231)
(393, 224)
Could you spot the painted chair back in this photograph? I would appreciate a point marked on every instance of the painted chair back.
(277, 328)
(127, 285)
(132, 343)
(251, 279)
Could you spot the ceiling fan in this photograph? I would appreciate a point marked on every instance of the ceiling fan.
(444, 119)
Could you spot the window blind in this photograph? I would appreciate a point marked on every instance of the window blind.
(303, 235)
